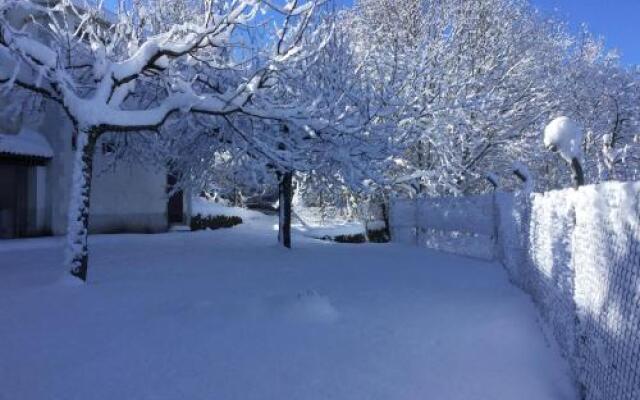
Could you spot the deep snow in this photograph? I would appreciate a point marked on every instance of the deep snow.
(228, 314)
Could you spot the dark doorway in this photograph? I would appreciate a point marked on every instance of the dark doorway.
(13, 201)
(175, 206)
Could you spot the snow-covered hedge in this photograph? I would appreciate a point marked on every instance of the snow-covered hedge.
(208, 214)
(576, 252)
(214, 222)
(377, 231)
(205, 207)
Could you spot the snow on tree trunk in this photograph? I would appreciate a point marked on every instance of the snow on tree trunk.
(78, 224)
(285, 191)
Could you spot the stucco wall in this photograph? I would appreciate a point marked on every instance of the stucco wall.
(127, 197)
(58, 130)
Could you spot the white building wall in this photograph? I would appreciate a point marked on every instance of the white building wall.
(127, 197)
(58, 130)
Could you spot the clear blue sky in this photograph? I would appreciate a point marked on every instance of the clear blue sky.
(617, 20)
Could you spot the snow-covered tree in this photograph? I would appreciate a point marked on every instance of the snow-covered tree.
(132, 71)
(478, 81)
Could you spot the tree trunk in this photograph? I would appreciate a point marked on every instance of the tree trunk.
(78, 224)
(577, 173)
(285, 191)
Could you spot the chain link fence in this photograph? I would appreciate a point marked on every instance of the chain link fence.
(576, 252)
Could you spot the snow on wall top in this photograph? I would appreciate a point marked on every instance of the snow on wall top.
(26, 143)
(564, 136)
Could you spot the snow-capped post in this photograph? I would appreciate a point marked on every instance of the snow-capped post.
(493, 180)
(564, 136)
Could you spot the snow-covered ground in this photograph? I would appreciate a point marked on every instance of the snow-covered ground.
(228, 314)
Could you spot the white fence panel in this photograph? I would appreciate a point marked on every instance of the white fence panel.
(402, 221)
(472, 214)
(463, 225)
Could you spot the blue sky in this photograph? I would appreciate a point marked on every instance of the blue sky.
(617, 20)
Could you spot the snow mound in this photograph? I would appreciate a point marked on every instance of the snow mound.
(564, 136)
(308, 306)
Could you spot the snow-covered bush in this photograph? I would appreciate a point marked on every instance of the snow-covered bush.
(212, 222)
(377, 232)
(357, 238)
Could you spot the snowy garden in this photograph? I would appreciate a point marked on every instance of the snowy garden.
(268, 199)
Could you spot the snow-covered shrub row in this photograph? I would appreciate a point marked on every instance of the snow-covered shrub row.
(214, 222)
(377, 232)
(577, 253)
(204, 208)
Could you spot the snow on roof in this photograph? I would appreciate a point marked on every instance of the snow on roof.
(26, 143)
